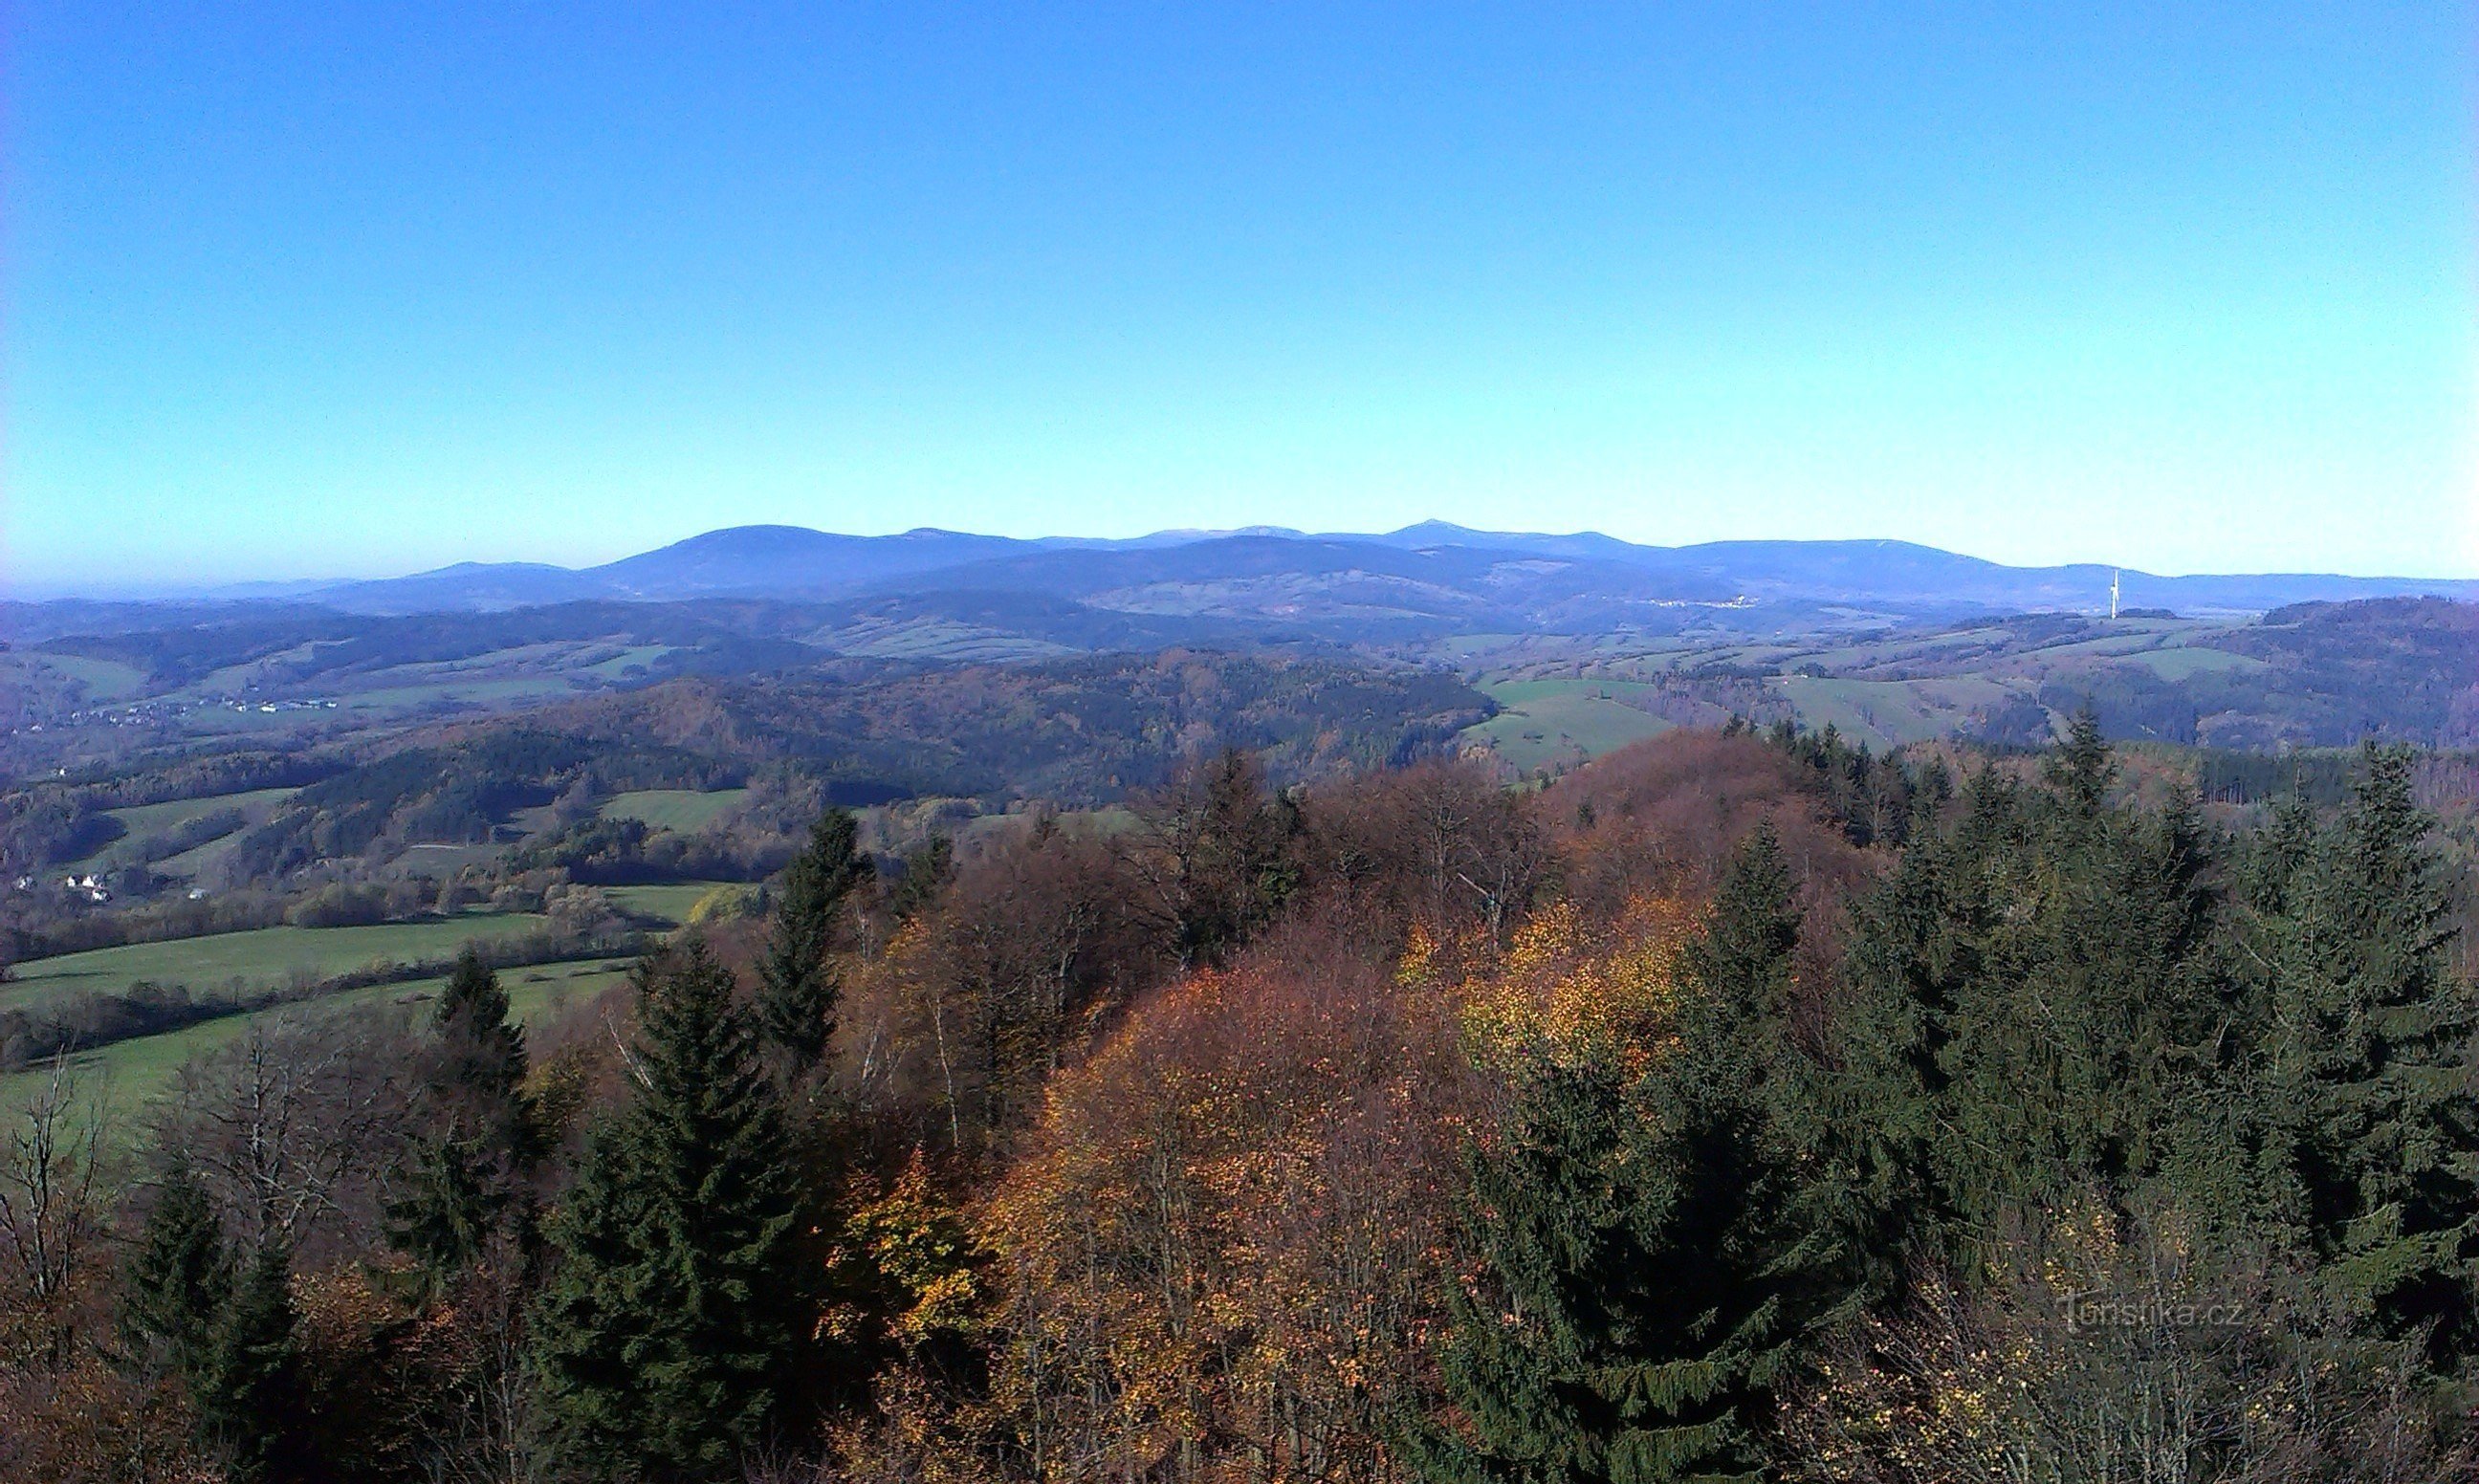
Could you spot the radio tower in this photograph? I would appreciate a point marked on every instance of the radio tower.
(2112, 591)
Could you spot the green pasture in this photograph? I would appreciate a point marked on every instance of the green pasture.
(684, 809)
(131, 1073)
(145, 819)
(667, 903)
(2185, 662)
(1883, 714)
(260, 958)
(104, 679)
(1548, 721)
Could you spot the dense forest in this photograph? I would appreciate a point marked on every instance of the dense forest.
(1739, 1104)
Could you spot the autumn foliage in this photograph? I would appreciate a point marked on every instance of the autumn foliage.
(1700, 1112)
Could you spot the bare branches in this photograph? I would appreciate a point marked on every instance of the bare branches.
(282, 1124)
(48, 1212)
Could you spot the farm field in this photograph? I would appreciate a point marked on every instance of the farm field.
(1883, 714)
(1554, 721)
(937, 639)
(445, 860)
(684, 809)
(141, 820)
(667, 902)
(458, 691)
(2184, 661)
(131, 1073)
(261, 958)
(635, 658)
(104, 679)
(145, 819)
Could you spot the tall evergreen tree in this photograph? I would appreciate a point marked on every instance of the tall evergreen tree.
(2039, 1006)
(1649, 1252)
(2374, 1058)
(798, 984)
(1741, 964)
(246, 1394)
(177, 1281)
(477, 1063)
(666, 1330)
(2081, 770)
(450, 1201)
(2079, 986)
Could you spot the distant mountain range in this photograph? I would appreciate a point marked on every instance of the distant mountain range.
(1422, 575)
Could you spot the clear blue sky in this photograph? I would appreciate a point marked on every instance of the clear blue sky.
(353, 289)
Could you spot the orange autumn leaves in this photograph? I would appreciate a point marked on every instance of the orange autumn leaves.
(1226, 1241)
(1226, 1252)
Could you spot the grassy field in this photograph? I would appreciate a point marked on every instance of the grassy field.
(132, 1072)
(139, 821)
(668, 903)
(684, 809)
(937, 639)
(1883, 714)
(479, 692)
(2185, 662)
(145, 819)
(445, 860)
(618, 666)
(1562, 720)
(104, 679)
(261, 958)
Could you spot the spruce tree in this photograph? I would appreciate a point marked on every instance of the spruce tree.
(449, 1202)
(798, 984)
(477, 1067)
(666, 1329)
(2080, 769)
(177, 1282)
(1649, 1250)
(1740, 965)
(2040, 1007)
(2091, 991)
(2374, 1058)
(245, 1392)
(1915, 947)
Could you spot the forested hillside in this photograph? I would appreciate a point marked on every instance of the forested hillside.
(1741, 1104)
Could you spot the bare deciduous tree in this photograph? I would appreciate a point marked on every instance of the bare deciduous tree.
(292, 1123)
(48, 1212)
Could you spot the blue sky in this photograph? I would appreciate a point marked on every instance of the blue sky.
(304, 291)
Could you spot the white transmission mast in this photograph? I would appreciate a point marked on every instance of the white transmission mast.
(2112, 591)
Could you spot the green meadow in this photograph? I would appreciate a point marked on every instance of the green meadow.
(260, 958)
(129, 1074)
(684, 809)
(1564, 720)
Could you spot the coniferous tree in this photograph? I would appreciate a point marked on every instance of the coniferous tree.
(2373, 1060)
(2070, 963)
(1649, 1254)
(450, 1203)
(463, 1178)
(667, 1328)
(1740, 965)
(177, 1282)
(2043, 1005)
(1566, 1286)
(477, 1064)
(245, 1392)
(2080, 769)
(798, 984)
